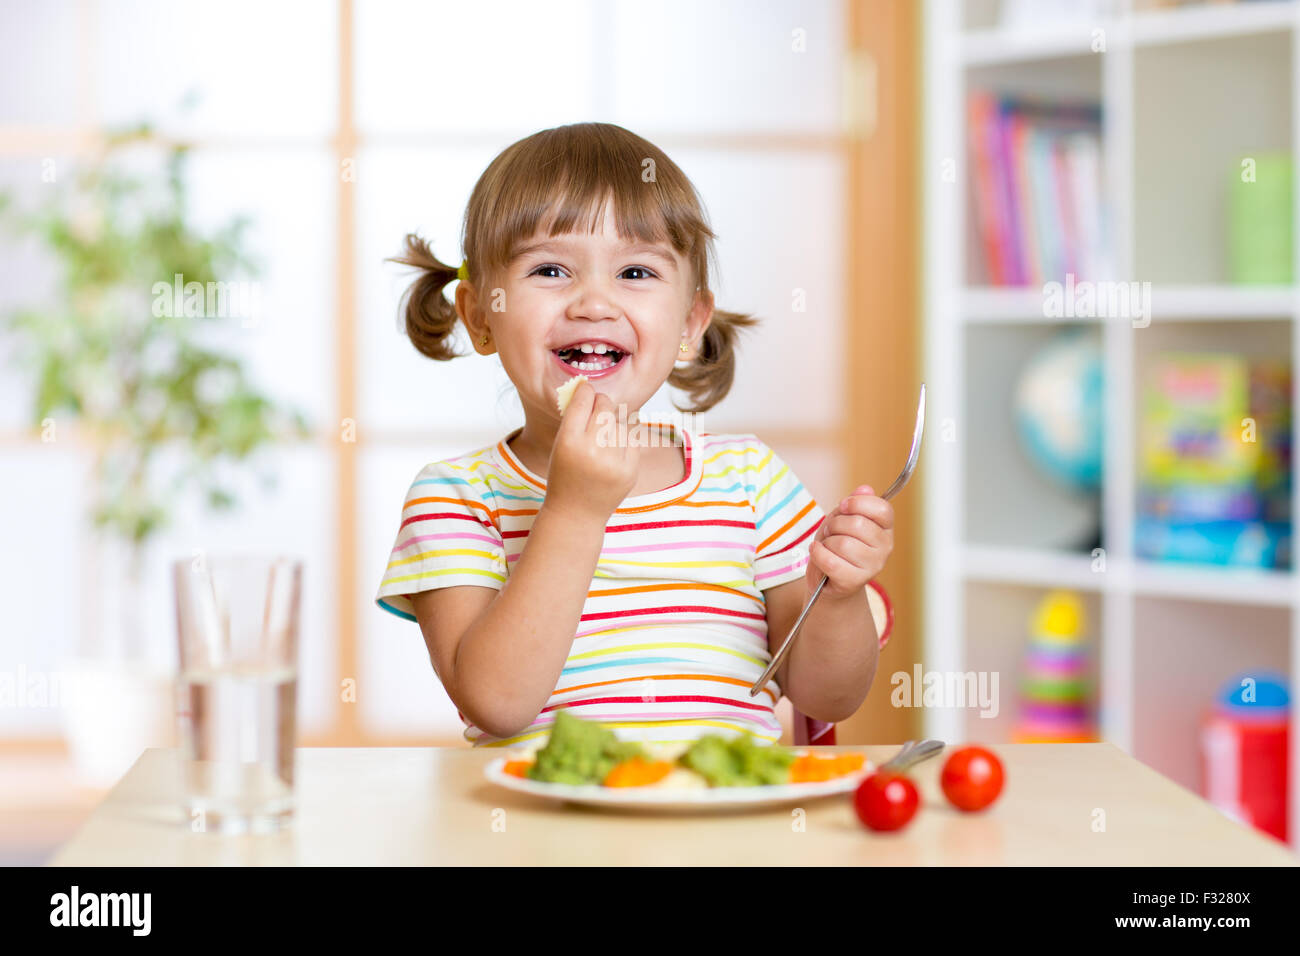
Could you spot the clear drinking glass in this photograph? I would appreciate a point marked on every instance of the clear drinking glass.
(237, 626)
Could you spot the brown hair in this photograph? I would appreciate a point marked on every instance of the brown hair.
(568, 173)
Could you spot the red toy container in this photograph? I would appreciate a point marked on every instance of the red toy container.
(1244, 757)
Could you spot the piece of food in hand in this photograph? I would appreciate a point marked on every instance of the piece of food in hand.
(737, 761)
(972, 778)
(564, 394)
(886, 801)
(580, 751)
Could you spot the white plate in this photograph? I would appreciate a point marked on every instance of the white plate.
(666, 799)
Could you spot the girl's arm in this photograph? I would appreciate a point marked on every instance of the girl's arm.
(830, 669)
(831, 666)
(499, 653)
(500, 657)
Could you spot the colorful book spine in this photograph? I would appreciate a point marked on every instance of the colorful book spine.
(1046, 219)
(1083, 154)
(1065, 207)
(988, 210)
(1017, 271)
(1030, 249)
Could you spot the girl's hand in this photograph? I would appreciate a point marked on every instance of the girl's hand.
(588, 474)
(852, 544)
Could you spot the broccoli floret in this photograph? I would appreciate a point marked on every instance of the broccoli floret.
(738, 761)
(713, 760)
(580, 751)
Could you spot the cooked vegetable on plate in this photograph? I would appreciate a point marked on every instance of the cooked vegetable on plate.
(585, 752)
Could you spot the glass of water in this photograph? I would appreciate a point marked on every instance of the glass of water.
(237, 627)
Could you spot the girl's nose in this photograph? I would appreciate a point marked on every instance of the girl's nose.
(594, 299)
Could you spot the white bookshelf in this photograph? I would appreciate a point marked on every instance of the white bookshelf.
(1180, 89)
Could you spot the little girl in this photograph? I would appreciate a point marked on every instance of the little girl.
(632, 572)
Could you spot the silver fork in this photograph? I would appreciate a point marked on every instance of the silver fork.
(913, 752)
(893, 489)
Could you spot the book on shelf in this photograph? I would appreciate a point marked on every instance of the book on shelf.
(1037, 191)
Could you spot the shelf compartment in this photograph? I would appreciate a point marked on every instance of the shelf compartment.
(1255, 340)
(1183, 652)
(1008, 502)
(1200, 108)
(1051, 107)
(998, 620)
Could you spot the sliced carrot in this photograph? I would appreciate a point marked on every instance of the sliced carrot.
(517, 768)
(810, 768)
(849, 763)
(638, 772)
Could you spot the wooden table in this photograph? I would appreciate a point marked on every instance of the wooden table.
(414, 806)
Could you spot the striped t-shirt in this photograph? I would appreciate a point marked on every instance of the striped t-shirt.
(673, 632)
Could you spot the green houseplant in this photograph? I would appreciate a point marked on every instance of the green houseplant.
(114, 351)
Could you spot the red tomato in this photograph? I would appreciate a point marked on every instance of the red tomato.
(972, 778)
(885, 801)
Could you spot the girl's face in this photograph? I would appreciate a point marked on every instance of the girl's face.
(630, 300)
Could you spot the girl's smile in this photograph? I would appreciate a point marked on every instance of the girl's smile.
(592, 359)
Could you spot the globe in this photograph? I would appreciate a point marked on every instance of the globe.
(1058, 408)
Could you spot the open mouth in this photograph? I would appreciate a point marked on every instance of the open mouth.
(590, 358)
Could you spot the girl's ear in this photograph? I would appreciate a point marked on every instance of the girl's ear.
(474, 319)
(697, 321)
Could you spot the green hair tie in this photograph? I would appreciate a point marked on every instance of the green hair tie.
(463, 272)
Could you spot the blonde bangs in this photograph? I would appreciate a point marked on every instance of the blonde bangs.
(561, 180)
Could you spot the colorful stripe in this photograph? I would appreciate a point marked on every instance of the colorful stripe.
(673, 631)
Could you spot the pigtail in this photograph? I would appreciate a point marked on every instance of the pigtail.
(707, 380)
(430, 317)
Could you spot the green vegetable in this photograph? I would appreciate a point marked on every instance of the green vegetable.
(738, 761)
(580, 751)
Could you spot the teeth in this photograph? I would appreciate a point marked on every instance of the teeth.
(600, 348)
(590, 348)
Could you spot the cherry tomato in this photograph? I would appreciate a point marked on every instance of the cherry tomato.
(972, 778)
(885, 801)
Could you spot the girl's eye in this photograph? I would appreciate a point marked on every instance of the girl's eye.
(557, 269)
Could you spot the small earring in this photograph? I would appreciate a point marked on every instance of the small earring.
(483, 341)
(685, 348)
